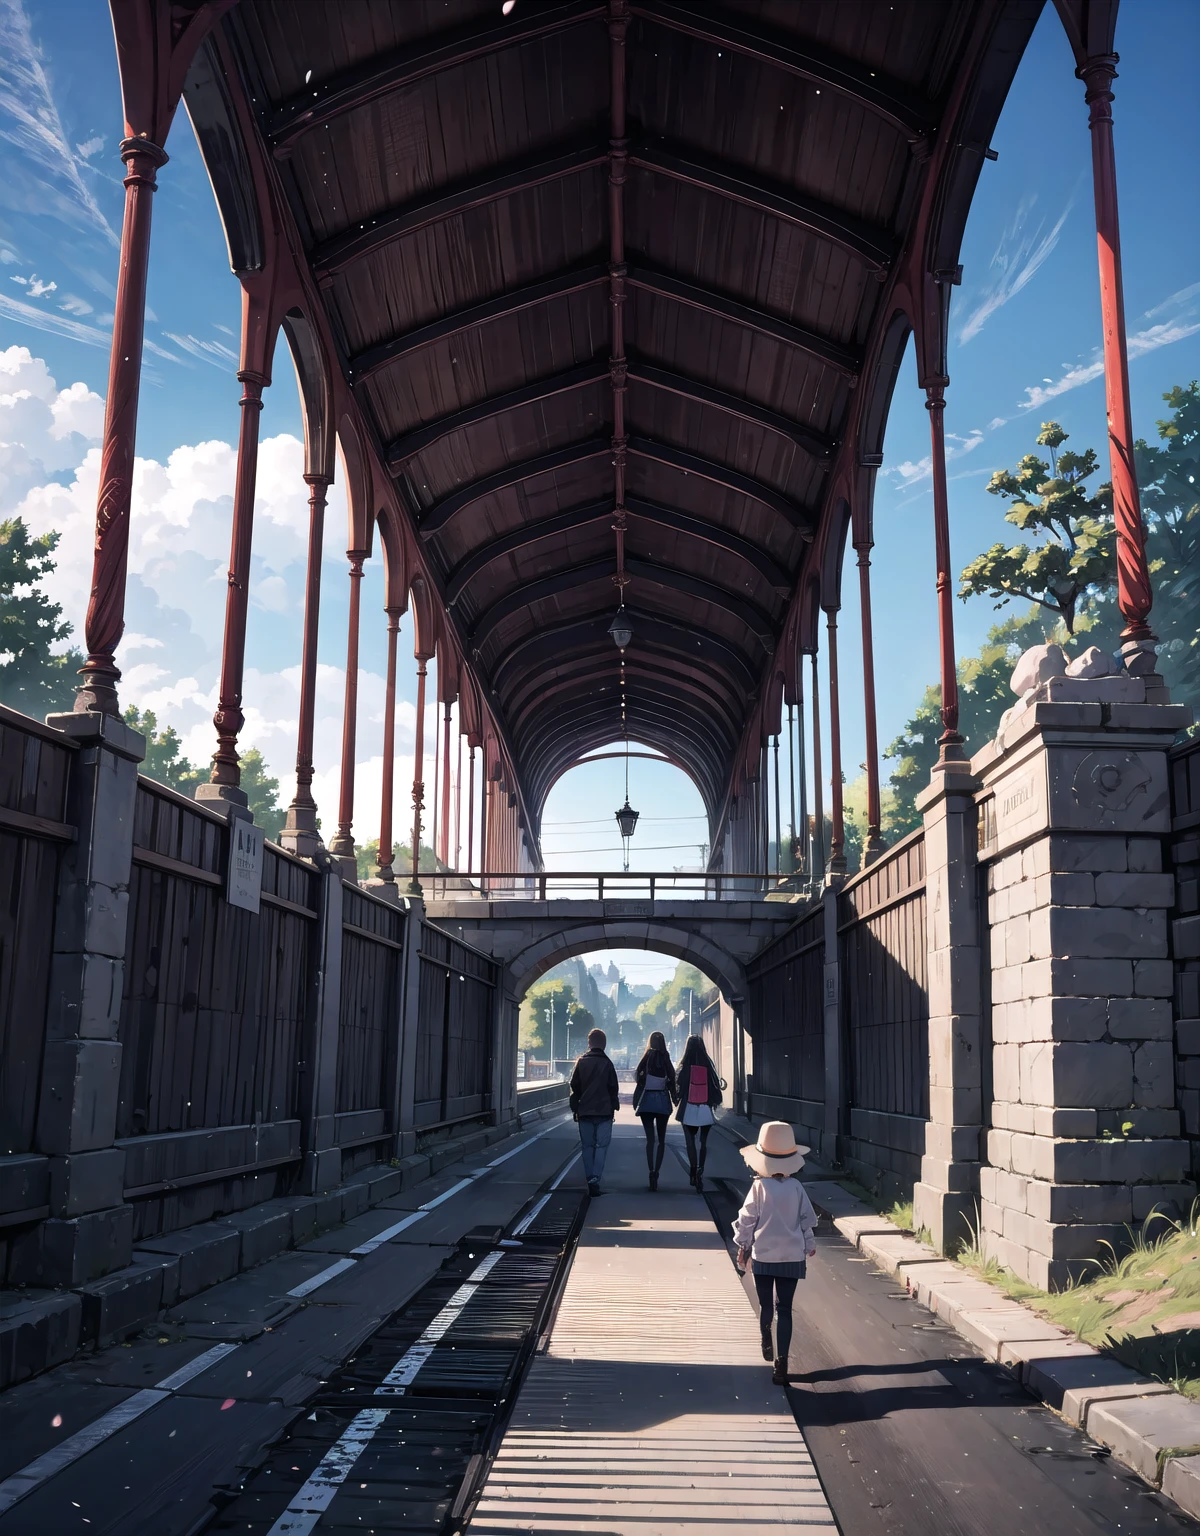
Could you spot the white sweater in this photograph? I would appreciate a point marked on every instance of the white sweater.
(776, 1222)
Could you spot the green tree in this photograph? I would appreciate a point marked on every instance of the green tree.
(32, 677)
(1072, 556)
(163, 761)
(262, 794)
(984, 693)
(1169, 477)
(366, 856)
(535, 1015)
(686, 992)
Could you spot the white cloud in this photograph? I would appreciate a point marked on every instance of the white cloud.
(75, 305)
(90, 147)
(1174, 300)
(177, 585)
(42, 175)
(1186, 323)
(45, 320)
(43, 430)
(7, 257)
(214, 352)
(1017, 258)
(17, 278)
(37, 287)
(997, 422)
(911, 472)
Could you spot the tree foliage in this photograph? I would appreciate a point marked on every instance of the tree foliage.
(32, 677)
(687, 992)
(1072, 554)
(535, 1018)
(1169, 477)
(164, 761)
(366, 856)
(984, 693)
(262, 794)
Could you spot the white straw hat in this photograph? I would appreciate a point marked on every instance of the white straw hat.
(776, 1150)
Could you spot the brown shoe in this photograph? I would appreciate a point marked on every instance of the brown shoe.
(780, 1374)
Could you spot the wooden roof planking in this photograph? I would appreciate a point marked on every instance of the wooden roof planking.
(793, 171)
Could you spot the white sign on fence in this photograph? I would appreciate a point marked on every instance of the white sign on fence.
(243, 879)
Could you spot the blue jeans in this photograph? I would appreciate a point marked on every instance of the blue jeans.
(594, 1136)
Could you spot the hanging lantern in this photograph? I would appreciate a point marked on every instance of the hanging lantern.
(621, 629)
(627, 820)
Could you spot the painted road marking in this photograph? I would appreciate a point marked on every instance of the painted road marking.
(403, 1373)
(304, 1512)
(306, 1287)
(38, 1471)
(314, 1498)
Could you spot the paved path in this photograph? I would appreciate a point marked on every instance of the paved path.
(652, 1410)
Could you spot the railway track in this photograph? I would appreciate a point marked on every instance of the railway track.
(402, 1436)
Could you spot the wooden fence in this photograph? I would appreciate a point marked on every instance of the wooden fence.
(455, 1026)
(216, 1010)
(882, 960)
(369, 1018)
(34, 781)
(786, 1004)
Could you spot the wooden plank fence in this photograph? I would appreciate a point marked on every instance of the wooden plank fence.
(455, 1024)
(786, 1003)
(883, 971)
(34, 781)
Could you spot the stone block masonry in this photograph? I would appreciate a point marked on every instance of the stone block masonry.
(1084, 1120)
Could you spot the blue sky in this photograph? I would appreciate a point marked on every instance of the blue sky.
(1025, 347)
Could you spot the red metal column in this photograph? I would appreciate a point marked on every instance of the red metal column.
(343, 844)
(105, 621)
(875, 844)
(950, 741)
(418, 789)
(303, 809)
(818, 787)
(435, 799)
(1134, 595)
(226, 769)
(458, 807)
(384, 856)
(485, 863)
(471, 812)
(837, 836)
(445, 848)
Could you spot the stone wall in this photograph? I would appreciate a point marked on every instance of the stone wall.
(1084, 1133)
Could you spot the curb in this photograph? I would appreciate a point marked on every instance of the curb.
(1146, 1425)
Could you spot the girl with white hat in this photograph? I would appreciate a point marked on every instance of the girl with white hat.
(775, 1226)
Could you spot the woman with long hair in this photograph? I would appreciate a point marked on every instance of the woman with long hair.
(653, 1096)
(699, 1095)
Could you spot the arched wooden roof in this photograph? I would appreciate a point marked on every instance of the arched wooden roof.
(793, 172)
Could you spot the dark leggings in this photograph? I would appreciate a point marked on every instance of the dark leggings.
(649, 1122)
(689, 1133)
(785, 1290)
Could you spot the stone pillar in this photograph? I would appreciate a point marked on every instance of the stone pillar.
(945, 1199)
(90, 1230)
(836, 1087)
(1075, 810)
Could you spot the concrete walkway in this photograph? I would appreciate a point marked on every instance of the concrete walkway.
(652, 1409)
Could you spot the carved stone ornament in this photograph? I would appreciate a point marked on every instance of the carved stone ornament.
(1106, 783)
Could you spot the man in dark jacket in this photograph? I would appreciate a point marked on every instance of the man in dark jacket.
(594, 1101)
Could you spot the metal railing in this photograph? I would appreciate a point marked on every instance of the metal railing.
(611, 885)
